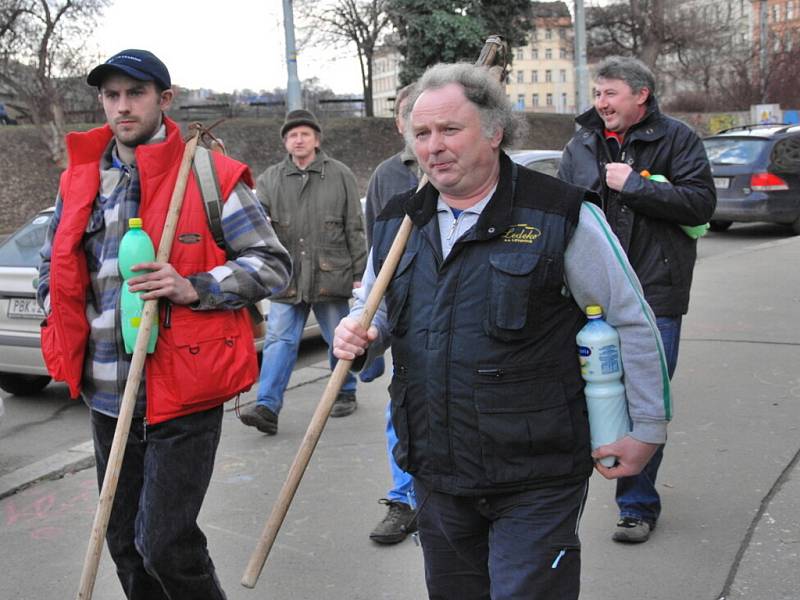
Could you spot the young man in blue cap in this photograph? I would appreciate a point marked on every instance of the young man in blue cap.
(129, 168)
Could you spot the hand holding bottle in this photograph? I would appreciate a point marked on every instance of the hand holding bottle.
(160, 280)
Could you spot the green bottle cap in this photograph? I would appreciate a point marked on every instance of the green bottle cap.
(135, 223)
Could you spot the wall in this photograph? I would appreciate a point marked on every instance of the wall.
(29, 181)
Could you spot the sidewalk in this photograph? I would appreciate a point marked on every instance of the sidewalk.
(730, 484)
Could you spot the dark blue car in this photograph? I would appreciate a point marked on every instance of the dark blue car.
(756, 171)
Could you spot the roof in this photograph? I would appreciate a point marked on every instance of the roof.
(549, 9)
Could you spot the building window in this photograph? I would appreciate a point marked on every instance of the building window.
(562, 33)
(562, 53)
(534, 76)
(549, 99)
(520, 77)
(535, 53)
(548, 34)
(789, 10)
(564, 102)
(548, 75)
(776, 13)
(548, 53)
(536, 100)
(520, 101)
(518, 54)
(562, 76)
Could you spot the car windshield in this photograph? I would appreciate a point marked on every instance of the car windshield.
(22, 248)
(734, 151)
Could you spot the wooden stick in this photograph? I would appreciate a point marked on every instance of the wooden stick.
(314, 431)
(111, 478)
(492, 48)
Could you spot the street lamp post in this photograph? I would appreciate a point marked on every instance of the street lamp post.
(581, 79)
(293, 98)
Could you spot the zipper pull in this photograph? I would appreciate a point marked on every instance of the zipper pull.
(558, 559)
(167, 315)
(453, 228)
(491, 372)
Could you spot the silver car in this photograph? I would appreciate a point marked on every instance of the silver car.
(22, 369)
(545, 161)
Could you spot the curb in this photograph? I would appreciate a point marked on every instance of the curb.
(81, 457)
(56, 466)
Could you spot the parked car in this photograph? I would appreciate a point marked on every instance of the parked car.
(22, 369)
(756, 171)
(545, 161)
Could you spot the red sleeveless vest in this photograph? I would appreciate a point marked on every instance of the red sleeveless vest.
(204, 357)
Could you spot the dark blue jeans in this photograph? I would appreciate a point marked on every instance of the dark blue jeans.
(513, 546)
(153, 537)
(637, 496)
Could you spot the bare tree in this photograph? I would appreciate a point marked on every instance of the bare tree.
(342, 23)
(651, 29)
(40, 48)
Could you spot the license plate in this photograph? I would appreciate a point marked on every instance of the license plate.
(722, 183)
(24, 308)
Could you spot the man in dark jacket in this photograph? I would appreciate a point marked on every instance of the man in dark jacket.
(482, 312)
(313, 202)
(623, 140)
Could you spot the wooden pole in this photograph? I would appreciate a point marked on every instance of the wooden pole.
(320, 417)
(111, 478)
(491, 52)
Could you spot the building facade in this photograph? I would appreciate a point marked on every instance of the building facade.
(542, 74)
(385, 80)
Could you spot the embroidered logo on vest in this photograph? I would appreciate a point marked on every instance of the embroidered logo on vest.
(189, 238)
(521, 233)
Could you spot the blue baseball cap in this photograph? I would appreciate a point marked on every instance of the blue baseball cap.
(139, 64)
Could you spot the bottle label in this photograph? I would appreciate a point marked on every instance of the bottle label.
(609, 359)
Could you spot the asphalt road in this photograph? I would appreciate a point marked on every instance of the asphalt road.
(35, 427)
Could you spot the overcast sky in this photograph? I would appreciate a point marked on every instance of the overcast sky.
(226, 45)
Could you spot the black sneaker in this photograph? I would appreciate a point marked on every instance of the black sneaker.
(632, 530)
(344, 405)
(400, 520)
(260, 417)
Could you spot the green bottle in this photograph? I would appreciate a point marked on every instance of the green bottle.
(694, 232)
(134, 248)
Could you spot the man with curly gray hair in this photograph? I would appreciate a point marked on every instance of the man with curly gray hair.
(482, 312)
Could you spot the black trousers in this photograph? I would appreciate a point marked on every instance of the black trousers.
(516, 546)
(153, 537)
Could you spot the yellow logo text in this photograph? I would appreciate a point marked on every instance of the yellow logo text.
(521, 233)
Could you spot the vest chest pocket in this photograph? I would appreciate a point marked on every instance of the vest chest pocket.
(512, 283)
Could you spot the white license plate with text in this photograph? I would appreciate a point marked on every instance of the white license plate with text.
(24, 308)
(722, 183)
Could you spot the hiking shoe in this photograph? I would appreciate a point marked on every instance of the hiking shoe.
(400, 520)
(632, 530)
(344, 405)
(260, 417)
